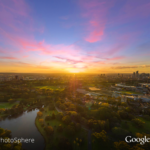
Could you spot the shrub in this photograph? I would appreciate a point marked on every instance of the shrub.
(47, 118)
(66, 119)
(41, 121)
(39, 114)
(138, 123)
(49, 130)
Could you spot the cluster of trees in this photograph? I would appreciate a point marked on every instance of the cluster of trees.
(72, 128)
(100, 137)
(52, 117)
(49, 130)
(65, 106)
(39, 114)
(78, 142)
(125, 115)
(138, 123)
(6, 134)
(98, 125)
(103, 113)
(66, 119)
(122, 145)
(101, 140)
(63, 143)
(15, 110)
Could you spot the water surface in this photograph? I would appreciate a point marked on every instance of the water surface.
(24, 127)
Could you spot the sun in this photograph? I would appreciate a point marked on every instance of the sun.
(73, 70)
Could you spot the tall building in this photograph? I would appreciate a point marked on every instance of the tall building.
(137, 73)
(16, 77)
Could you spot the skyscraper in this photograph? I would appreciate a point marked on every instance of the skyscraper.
(137, 73)
(16, 77)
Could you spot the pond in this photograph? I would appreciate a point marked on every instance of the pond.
(24, 127)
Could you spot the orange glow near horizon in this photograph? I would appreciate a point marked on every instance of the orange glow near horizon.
(73, 70)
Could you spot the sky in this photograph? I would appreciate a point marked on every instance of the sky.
(75, 36)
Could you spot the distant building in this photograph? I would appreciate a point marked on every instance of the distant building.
(16, 77)
(145, 84)
(144, 99)
(137, 73)
(125, 86)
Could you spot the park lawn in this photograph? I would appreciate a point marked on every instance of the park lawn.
(84, 134)
(130, 92)
(55, 123)
(50, 87)
(7, 104)
(134, 130)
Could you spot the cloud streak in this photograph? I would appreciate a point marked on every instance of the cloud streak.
(95, 12)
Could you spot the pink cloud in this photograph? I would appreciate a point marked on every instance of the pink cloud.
(95, 11)
(111, 50)
(13, 13)
(28, 44)
(95, 36)
(116, 58)
(13, 58)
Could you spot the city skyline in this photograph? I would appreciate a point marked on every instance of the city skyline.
(92, 36)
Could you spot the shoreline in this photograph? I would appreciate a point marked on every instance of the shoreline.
(40, 133)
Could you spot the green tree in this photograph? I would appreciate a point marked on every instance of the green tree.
(138, 123)
(6, 147)
(49, 130)
(53, 115)
(66, 119)
(122, 145)
(101, 137)
(39, 114)
(59, 116)
(41, 121)
(47, 118)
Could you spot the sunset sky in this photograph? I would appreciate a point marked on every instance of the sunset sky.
(89, 36)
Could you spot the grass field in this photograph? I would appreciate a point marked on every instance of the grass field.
(51, 87)
(134, 130)
(7, 104)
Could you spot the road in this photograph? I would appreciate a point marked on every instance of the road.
(89, 140)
